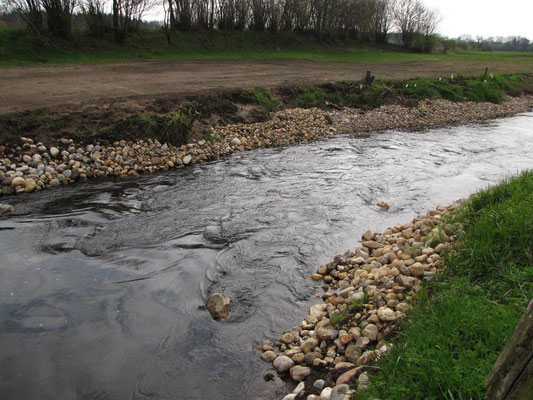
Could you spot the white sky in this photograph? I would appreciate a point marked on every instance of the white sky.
(485, 18)
(472, 17)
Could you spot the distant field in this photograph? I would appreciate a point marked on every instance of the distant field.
(17, 49)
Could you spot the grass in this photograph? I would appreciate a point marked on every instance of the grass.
(459, 88)
(17, 48)
(454, 335)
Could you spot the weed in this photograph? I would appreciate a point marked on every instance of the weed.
(264, 98)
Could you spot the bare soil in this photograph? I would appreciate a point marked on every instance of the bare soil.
(24, 88)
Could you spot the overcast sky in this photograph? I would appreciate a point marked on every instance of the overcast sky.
(486, 18)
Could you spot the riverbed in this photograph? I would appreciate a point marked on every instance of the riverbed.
(103, 284)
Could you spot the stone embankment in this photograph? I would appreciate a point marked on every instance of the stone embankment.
(28, 166)
(366, 294)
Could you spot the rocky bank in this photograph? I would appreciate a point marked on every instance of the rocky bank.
(366, 295)
(27, 166)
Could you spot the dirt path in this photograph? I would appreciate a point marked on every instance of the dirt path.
(28, 88)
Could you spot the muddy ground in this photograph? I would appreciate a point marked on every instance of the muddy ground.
(75, 101)
(25, 88)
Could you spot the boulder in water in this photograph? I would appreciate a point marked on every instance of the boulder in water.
(218, 305)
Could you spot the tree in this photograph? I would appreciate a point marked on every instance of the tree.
(59, 16)
(31, 13)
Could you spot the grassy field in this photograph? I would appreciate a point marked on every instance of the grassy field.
(461, 322)
(18, 49)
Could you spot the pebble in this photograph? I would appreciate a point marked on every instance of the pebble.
(283, 363)
(218, 305)
(298, 373)
(6, 208)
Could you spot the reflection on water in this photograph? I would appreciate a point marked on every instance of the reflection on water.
(103, 285)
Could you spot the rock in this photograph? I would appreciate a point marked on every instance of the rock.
(287, 338)
(339, 391)
(417, 270)
(386, 314)
(370, 332)
(317, 311)
(290, 396)
(383, 205)
(312, 356)
(371, 244)
(313, 397)
(236, 141)
(54, 152)
(348, 376)
(406, 281)
(268, 356)
(283, 363)
(299, 388)
(29, 185)
(367, 358)
(17, 181)
(308, 345)
(368, 235)
(299, 373)
(319, 384)
(218, 305)
(317, 277)
(325, 394)
(187, 159)
(326, 333)
(156, 160)
(352, 353)
(6, 208)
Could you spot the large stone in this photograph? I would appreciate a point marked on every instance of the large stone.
(349, 376)
(309, 345)
(268, 356)
(406, 281)
(287, 338)
(54, 152)
(187, 159)
(352, 353)
(368, 235)
(326, 333)
(299, 373)
(5, 208)
(370, 332)
(283, 363)
(218, 305)
(17, 181)
(317, 311)
(325, 394)
(339, 392)
(386, 314)
(371, 244)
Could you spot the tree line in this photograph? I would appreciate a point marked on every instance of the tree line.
(362, 20)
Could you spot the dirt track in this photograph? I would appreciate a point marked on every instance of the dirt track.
(28, 88)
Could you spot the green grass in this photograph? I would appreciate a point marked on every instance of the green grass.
(264, 99)
(17, 48)
(453, 336)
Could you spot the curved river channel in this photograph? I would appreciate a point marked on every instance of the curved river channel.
(102, 285)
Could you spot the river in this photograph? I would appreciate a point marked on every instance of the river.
(102, 285)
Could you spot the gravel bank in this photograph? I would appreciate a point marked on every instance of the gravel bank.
(27, 166)
(366, 294)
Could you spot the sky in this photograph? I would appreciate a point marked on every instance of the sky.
(485, 18)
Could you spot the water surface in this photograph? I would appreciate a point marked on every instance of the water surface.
(102, 285)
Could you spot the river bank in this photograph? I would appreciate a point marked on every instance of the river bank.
(31, 166)
(367, 293)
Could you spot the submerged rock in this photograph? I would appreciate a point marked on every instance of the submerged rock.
(218, 305)
(6, 208)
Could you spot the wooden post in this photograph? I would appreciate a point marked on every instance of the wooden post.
(512, 375)
(485, 74)
(369, 78)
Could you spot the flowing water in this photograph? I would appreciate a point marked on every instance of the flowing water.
(102, 285)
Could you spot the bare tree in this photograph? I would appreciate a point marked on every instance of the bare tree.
(31, 13)
(95, 17)
(412, 19)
